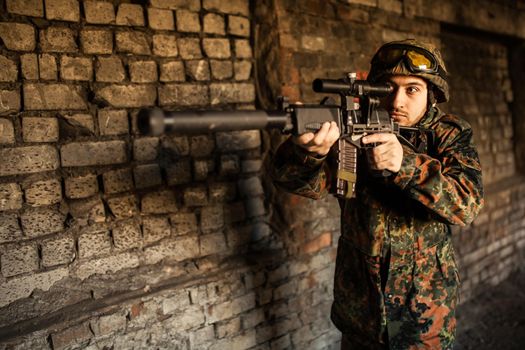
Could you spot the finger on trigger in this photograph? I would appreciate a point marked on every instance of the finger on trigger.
(320, 136)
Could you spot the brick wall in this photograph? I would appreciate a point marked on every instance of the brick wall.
(112, 239)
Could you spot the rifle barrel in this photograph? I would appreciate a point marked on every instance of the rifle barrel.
(156, 121)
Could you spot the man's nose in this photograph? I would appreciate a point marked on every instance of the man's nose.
(398, 99)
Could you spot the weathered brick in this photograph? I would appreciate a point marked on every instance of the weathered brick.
(110, 264)
(10, 196)
(41, 221)
(27, 160)
(143, 71)
(130, 15)
(201, 336)
(22, 287)
(212, 218)
(201, 168)
(126, 235)
(93, 153)
(228, 328)
(232, 7)
(18, 36)
(96, 41)
(212, 243)
(147, 175)
(188, 21)
(177, 249)
(7, 131)
(33, 8)
(53, 96)
(8, 70)
(243, 48)
(221, 192)
(251, 165)
(178, 172)
(250, 187)
(58, 39)
(40, 129)
(116, 181)
(9, 228)
(63, 10)
(83, 122)
(81, 186)
(47, 67)
(221, 69)
(132, 42)
(255, 207)
(313, 43)
(113, 122)
(99, 12)
(44, 192)
(161, 202)
(165, 45)
(109, 324)
(123, 207)
(194, 5)
(189, 48)
(201, 145)
(58, 251)
(19, 260)
(214, 24)
(229, 165)
(177, 145)
(216, 47)
(155, 229)
(146, 148)
(93, 244)
(196, 196)
(161, 19)
(183, 223)
(243, 70)
(109, 69)
(29, 66)
(9, 101)
(198, 70)
(72, 336)
(183, 94)
(239, 26)
(128, 96)
(232, 93)
(172, 71)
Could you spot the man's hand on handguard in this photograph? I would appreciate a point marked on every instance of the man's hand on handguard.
(387, 155)
(320, 142)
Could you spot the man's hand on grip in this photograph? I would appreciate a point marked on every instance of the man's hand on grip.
(387, 155)
(320, 142)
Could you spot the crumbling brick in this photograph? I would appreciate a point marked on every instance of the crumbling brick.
(143, 71)
(93, 153)
(47, 67)
(183, 223)
(10, 101)
(72, 336)
(58, 39)
(93, 244)
(126, 235)
(116, 181)
(33, 8)
(130, 15)
(29, 64)
(96, 41)
(63, 10)
(45, 192)
(189, 48)
(134, 42)
(212, 218)
(229, 165)
(198, 70)
(81, 186)
(238, 140)
(18, 36)
(195, 196)
(160, 202)
(58, 251)
(216, 47)
(53, 97)
(147, 175)
(214, 24)
(9, 228)
(10, 196)
(99, 12)
(232, 7)
(128, 96)
(243, 49)
(178, 172)
(146, 148)
(110, 69)
(183, 95)
(123, 207)
(172, 71)
(160, 19)
(40, 129)
(188, 21)
(239, 26)
(8, 70)
(19, 260)
(243, 70)
(221, 69)
(165, 45)
(41, 221)
(193, 5)
(155, 229)
(7, 131)
(113, 122)
(27, 160)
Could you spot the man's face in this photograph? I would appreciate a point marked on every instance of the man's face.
(407, 104)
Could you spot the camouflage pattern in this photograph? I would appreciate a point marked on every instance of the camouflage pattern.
(399, 224)
(442, 91)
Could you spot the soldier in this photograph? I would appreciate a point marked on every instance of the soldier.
(396, 280)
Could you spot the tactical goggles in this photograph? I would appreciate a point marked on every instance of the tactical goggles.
(416, 59)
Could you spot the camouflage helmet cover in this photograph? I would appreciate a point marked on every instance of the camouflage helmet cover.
(442, 90)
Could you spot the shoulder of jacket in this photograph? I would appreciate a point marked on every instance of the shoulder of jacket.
(450, 120)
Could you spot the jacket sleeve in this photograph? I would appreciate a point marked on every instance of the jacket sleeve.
(296, 171)
(449, 185)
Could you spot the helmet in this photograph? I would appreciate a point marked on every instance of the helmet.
(411, 57)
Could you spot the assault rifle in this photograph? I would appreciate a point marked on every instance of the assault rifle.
(357, 115)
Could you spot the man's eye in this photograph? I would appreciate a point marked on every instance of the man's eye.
(412, 90)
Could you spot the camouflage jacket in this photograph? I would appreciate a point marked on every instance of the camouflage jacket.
(399, 223)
